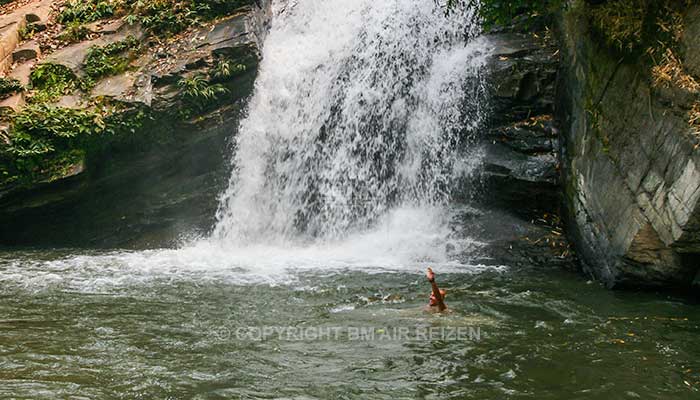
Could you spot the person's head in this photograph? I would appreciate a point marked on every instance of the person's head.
(433, 300)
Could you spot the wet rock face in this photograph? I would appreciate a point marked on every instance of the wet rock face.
(517, 217)
(521, 142)
(631, 172)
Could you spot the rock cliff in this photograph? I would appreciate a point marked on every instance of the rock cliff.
(631, 168)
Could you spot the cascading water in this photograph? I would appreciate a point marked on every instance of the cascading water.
(361, 107)
(357, 131)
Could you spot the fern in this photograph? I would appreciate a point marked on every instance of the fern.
(198, 92)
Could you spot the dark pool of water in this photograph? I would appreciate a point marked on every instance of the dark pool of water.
(535, 333)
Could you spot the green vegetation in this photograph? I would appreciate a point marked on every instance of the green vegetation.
(163, 17)
(82, 11)
(102, 61)
(9, 86)
(503, 12)
(198, 93)
(173, 16)
(51, 81)
(41, 129)
(160, 17)
(226, 69)
(74, 32)
(45, 139)
(27, 32)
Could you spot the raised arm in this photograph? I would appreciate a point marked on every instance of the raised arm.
(436, 290)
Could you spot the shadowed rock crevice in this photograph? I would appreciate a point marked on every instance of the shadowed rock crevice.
(521, 143)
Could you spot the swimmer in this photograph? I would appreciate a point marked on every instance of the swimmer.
(437, 297)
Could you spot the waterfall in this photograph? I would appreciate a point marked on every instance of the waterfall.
(358, 129)
(360, 107)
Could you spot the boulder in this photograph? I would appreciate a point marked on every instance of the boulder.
(27, 51)
(229, 33)
(505, 162)
(13, 103)
(37, 12)
(107, 27)
(22, 72)
(130, 87)
(9, 39)
(526, 139)
(10, 24)
(70, 101)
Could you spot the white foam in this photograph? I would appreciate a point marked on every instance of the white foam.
(406, 241)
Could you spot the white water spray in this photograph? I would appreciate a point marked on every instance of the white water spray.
(360, 107)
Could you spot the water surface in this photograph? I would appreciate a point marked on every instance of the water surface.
(163, 330)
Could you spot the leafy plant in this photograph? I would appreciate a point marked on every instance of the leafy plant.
(198, 92)
(109, 60)
(215, 8)
(163, 16)
(167, 17)
(41, 129)
(26, 32)
(9, 86)
(82, 11)
(226, 68)
(50, 82)
(503, 12)
(45, 140)
(74, 32)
